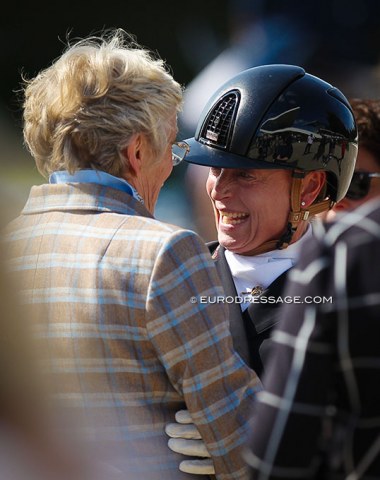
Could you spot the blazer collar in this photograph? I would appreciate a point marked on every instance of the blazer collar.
(82, 196)
(238, 332)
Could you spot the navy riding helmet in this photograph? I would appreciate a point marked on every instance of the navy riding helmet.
(278, 116)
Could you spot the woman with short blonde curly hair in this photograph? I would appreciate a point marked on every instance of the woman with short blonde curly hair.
(83, 110)
(110, 290)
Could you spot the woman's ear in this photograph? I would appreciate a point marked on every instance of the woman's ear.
(134, 154)
(312, 185)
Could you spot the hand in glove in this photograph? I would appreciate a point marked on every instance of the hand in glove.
(186, 440)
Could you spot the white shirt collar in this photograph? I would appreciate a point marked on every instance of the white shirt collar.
(262, 270)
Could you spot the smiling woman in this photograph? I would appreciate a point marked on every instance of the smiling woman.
(247, 214)
(267, 179)
(262, 162)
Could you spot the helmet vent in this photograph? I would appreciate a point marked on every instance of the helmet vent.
(217, 128)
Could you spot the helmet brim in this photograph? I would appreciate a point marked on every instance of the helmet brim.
(202, 154)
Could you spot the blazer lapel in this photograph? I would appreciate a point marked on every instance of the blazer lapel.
(238, 332)
(264, 316)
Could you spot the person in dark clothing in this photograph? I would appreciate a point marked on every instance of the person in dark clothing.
(263, 204)
(318, 416)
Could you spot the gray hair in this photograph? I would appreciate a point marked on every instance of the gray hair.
(83, 110)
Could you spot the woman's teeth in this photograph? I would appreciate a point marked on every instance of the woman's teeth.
(232, 218)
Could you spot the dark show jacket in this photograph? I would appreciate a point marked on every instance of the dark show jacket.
(318, 417)
(251, 329)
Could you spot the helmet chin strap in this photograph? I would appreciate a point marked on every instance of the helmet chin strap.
(296, 215)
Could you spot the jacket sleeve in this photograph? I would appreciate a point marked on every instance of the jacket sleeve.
(189, 329)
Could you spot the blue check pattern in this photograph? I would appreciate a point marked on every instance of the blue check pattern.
(107, 289)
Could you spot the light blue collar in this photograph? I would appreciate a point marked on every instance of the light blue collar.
(95, 176)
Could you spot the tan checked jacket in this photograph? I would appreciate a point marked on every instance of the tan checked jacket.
(116, 297)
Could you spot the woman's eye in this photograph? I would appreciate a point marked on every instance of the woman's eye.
(245, 174)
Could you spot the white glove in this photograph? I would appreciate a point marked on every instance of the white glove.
(186, 440)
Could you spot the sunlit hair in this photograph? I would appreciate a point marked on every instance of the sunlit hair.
(83, 110)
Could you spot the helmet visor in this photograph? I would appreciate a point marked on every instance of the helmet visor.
(202, 154)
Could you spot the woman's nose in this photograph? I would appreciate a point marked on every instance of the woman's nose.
(221, 185)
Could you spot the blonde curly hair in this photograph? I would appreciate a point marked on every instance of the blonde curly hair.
(83, 110)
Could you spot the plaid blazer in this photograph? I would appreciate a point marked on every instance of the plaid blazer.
(319, 415)
(113, 294)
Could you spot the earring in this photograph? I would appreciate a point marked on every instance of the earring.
(303, 204)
